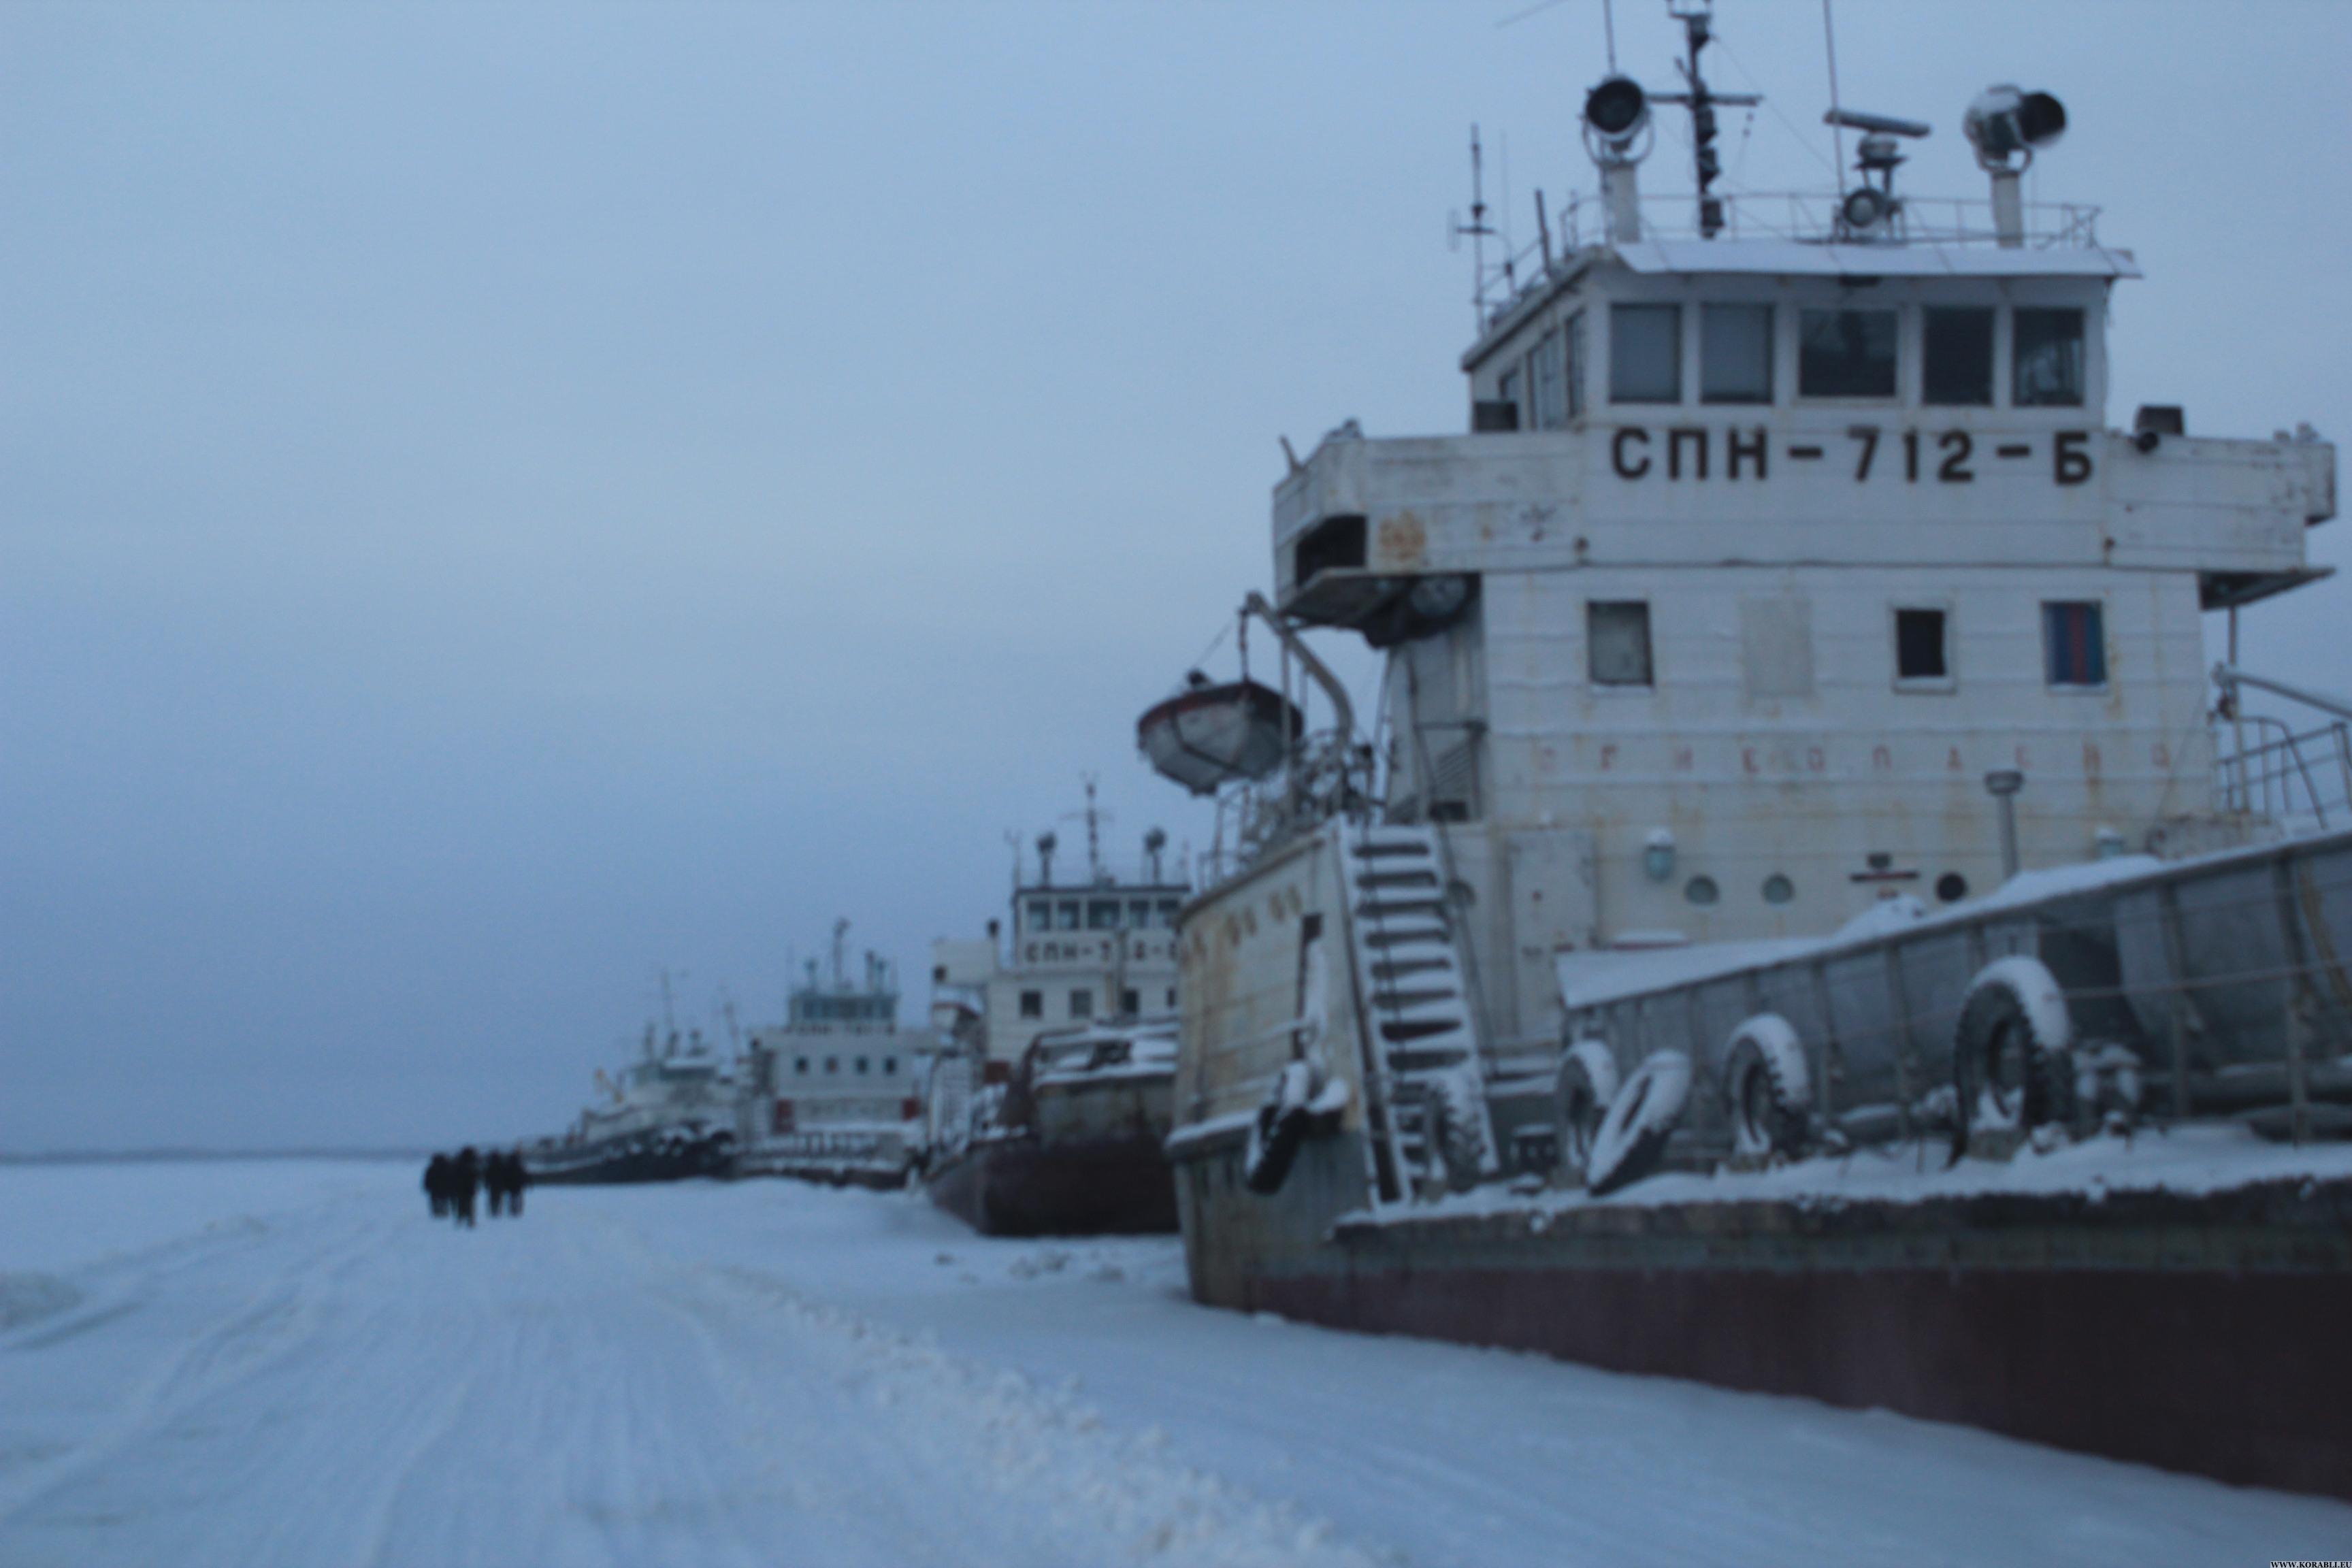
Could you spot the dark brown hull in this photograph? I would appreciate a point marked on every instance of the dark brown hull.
(2196, 1333)
(1016, 1186)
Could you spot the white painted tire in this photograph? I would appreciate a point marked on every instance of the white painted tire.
(1587, 1083)
(1767, 1091)
(1642, 1117)
(2010, 1065)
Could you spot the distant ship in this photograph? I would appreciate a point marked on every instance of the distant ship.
(1048, 1112)
(670, 1114)
(836, 1094)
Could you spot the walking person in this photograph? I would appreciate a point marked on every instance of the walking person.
(465, 1178)
(436, 1185)
(518, 1178)
(494, 1182)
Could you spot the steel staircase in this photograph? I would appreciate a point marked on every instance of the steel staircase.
(1416, 1003)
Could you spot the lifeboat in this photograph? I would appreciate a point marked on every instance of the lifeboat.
(1212, 734)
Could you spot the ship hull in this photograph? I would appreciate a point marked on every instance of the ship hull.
(1020, 1186)
(2195, 1332)
(632, 1161)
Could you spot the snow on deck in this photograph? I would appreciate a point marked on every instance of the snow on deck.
(2191, 1160)
(291, 1363)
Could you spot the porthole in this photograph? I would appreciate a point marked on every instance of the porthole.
(1951, 887)
(1702, 890)
(1779, 890)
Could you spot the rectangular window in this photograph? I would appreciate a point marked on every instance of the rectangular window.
(890, 1064)
(863, 1063)
(1130, 1002)
(1955, 358)
(2074, 644)
(1082, 1004)
(1041, 915)
(1735, 353)
(800, 1066)
(1845, 353)
(1920, 651)
(1138, 913)
(1171, 997)
(1102, 914)
(1067, 911)
(1167, 908)
(1617, 643)
(1033, 1003)
(2046, 359)
(1575, 350)
(1545, 375)
(833, 1064)
(1645, 353)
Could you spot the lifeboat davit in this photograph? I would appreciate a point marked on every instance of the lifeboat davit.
(1214, 733)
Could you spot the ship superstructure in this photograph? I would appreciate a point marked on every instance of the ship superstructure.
(834, 1093)
(668, 1114)
(1049, 1116)
(1789, 593)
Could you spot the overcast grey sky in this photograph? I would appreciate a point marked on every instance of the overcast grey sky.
(498, 499)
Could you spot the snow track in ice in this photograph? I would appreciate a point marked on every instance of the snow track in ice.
(357, 1385)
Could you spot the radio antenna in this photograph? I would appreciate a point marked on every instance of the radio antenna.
(1837, 133)
(1477, 229)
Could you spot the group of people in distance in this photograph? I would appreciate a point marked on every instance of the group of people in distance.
(452, 1180)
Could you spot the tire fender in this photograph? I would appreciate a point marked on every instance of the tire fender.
(1587, 1083)
(2010, 1067)
(1642, 1116)
(1280, 1129)
(1767, 1091)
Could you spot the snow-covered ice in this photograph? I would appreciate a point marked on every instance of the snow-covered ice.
(291, 1363)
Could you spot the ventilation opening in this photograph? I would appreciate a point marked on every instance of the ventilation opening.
(1334, 542)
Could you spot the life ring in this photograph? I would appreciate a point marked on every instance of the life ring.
(1642, 1116)
(2010, 1067)
(1587, 1083)
(1768, 1093)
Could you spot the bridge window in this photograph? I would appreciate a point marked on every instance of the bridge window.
(1645, 353)
(1033, 1003)
(1041, 915)
(1955, 358)
(1067, 911)
(2075, 645)
(1167, 908)
(1547, 376)
(2046, 359)
(1138, 913)
(1845, 353)
(1575, 338)
(1735, 350)
(1102, 914)
(1921, 653)
(1082, 1004)
(1617, 643)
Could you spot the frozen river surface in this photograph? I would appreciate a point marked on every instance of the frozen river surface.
(281, 1362)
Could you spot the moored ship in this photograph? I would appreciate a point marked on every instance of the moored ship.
(1049, 1116)
(668, 1116)
(834, 1095)
(1799, 917)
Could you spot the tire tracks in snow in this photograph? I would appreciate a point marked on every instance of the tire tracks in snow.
(1108, 1496)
